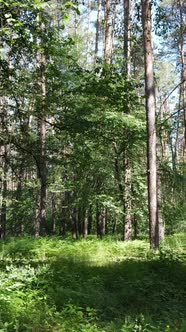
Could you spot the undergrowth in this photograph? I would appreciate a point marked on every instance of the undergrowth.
(54, 284)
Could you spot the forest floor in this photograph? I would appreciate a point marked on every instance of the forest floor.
(55, 284)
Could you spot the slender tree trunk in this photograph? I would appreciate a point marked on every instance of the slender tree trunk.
(53, 217)
(107, 31)
(127, 198)
(114, 15)
(127, 4)
(80, 223)
(42, 172)
(88, 41)
(103, 221)
(159, 204)
(3, 214)
(18, 225)
(114, 226)
(162, 152)
(90, 220)
(151, 126)
(75, 224)
(4, 152)
(183, 71)
(98, 221)
(37, 214)
(97, 32)
(127, 168)
(85, 224)
(66, 210)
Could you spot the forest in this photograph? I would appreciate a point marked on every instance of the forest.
(93, 166)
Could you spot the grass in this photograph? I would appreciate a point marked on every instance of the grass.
(54, 284)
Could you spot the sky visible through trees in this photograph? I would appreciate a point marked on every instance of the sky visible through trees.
(73, 124)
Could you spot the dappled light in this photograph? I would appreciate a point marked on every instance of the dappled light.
(92, 166)
(93, 285)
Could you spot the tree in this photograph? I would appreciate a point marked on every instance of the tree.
(151, 125)
(40, 223)
(126, 160)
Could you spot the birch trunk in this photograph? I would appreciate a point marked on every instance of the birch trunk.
(127, 4)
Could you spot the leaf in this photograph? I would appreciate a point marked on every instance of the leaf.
(70, 4)
(43, 5)
(8, 15)
(65, 17)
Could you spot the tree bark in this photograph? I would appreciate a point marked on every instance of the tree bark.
(151, 127)
(97, 32)
(183, 76)
(4, 152)
(127, 198)
(3, 214)
(85, 224)
(107, 31)
(127, 168)
(42, 172)
(75, 224)
(114, 16)
(53, 213)
(90, 220)
(127, 5)
(98, 221)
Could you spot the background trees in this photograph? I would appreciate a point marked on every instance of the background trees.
(73, 142)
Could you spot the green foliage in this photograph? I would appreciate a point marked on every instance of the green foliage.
(60, 285)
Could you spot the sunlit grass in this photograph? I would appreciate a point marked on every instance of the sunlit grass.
(55, 284)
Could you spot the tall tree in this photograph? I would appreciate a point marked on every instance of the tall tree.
(41, 108)
(181, 8)
(97, 32)
(127, 4)
(107, 31)
(151, 124)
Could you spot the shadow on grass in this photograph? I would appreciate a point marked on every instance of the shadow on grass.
(155, 289)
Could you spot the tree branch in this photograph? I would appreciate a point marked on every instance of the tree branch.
(172, 92)
(170, 116)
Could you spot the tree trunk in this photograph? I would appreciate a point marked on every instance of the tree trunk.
(18, 225)
(53, 213)
(85, 224)
(90, 220)
(183, 76)
(97, 32)
(127, 198)
(107, 31)
(127, 5)
(103, 221)
(75, 226)
(151, 127)
(3, 215)
(114, 15)
(37, 214)
(4, 152)
(126, 159)
(159, 204)
(98, 221)
(42, 172)
(114, 226)
(88, 41)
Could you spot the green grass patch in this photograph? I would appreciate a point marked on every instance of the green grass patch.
(55, 284)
